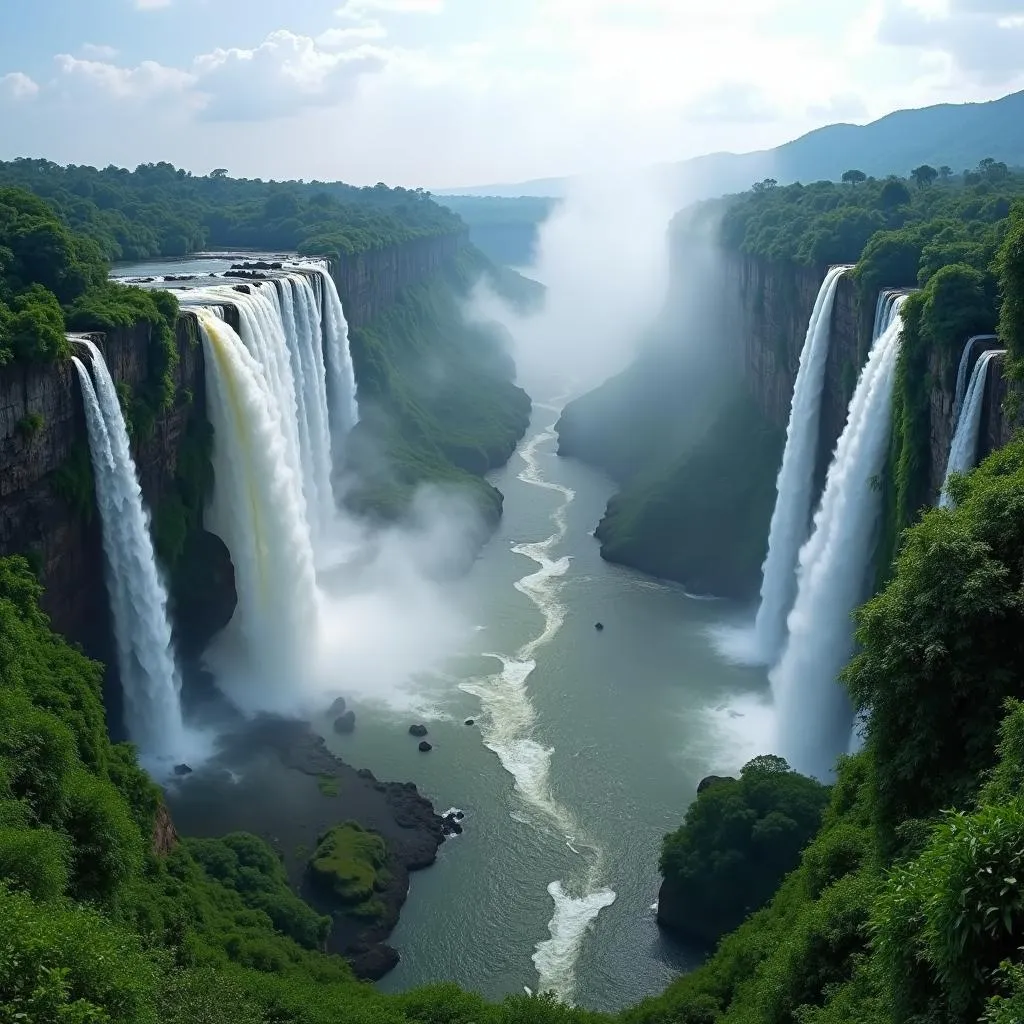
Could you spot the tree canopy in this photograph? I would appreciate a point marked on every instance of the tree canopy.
(159, 210)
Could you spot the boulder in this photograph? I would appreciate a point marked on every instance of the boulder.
(345, 723)
(712, 780)
(599, 626)
(469, 721)
(337, 706)
(417, 730)
(425, 746)
(182, 769)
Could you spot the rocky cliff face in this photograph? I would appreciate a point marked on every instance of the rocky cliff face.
(44, 446)
(43, 450)
(767, 308)
(768, 323)
(369, 282)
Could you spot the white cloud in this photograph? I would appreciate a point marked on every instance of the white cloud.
(98, 51)
(148, 80)
(340, 38)
(18, 86)
(282, 75)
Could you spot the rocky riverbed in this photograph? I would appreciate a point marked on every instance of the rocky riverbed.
(276, 779)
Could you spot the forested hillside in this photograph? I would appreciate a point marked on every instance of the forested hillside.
(161, 210)
(715, 466)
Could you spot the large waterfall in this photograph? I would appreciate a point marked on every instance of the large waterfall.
(138, 600)
(281, 399)
(258, 511)
(963, 451)
(790, 520)
(834, 569)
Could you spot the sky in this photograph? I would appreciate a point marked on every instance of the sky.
(443, 93)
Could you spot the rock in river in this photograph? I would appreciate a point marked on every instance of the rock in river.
(345, 723)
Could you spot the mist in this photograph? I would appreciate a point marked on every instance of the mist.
(603, 258)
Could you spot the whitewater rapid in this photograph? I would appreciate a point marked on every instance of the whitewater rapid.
(508, 729)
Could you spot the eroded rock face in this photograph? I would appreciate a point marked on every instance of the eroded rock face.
(165, 837)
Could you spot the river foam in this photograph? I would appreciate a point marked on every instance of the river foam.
(508, 730)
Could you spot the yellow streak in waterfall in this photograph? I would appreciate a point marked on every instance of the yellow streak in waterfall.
(213, 326)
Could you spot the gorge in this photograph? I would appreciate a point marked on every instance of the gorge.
(326, 587)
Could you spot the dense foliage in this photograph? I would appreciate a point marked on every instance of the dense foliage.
(739, 839)
(159, 210)
(350, 863)
(909, 904)
(436, 394)
(98, 926)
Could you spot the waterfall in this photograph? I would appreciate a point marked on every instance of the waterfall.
(341, 377)
(963, 451)
(138, 599)
(258, 511)
(812, 709)
(961, 371)
(791, 516)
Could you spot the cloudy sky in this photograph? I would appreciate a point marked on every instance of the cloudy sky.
(440, 93)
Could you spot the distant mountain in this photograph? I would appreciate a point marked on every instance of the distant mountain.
(954, 134)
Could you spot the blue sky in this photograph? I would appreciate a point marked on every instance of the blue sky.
(450, 92)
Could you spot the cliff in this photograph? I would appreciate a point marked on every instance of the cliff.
(46, 501)
(707, 419)
(370, 282)
(46, 504)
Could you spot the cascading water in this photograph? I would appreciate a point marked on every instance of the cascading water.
(961, 370)
(341, 377)
(149, 674)
(258, 511)
(794, 486)
(812, 709)
(963, 451)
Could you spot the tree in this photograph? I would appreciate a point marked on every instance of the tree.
(854, 177)
(924, 175)
(765, 186)
(945, 172)
(894, 193)
(739, 838)
(219, 172)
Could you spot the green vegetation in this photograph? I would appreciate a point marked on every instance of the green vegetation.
(350, 863)
(436, 396)
(158, 210)
(327, 784)
(30, 425)
(739, 839)
(908, 905)
(98, 927)
(696, 469)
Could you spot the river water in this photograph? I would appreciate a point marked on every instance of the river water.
(586, 748)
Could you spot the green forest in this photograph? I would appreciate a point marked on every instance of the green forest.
(159, 210)
(895, 896)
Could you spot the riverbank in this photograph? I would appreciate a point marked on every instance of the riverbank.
(277, 780)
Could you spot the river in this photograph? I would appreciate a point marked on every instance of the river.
(586, 748)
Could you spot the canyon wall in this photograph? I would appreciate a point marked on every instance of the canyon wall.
(767, 308)
(46, 507)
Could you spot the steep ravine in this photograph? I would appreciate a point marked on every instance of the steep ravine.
(713, 451)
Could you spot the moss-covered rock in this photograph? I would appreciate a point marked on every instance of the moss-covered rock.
(351, 864)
